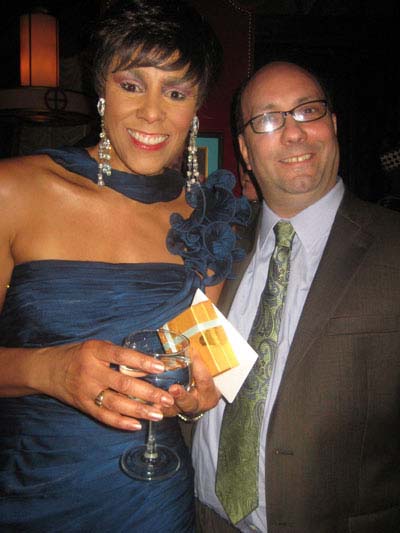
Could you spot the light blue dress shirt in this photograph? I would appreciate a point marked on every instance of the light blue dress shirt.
(312, 226)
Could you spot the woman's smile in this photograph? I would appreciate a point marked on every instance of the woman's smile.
(147, 141)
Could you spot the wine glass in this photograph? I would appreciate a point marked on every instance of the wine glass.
(153, 461)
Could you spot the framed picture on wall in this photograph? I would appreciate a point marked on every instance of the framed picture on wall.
(209, 153)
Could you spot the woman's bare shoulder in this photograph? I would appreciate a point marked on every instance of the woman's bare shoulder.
(27, 185)
(18, 172)
(34, 174)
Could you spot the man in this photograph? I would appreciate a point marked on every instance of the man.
(329, 443)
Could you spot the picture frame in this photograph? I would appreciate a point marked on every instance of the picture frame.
(209, 153)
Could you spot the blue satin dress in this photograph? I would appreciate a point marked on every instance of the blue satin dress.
(59, 468)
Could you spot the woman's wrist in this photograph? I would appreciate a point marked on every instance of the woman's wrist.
(20, 373)
(190, 419)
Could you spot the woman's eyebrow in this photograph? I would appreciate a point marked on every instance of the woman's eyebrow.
(169, 80)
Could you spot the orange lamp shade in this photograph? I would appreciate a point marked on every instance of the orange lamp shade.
(39, 50)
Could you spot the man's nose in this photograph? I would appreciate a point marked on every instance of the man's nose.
(293, 131)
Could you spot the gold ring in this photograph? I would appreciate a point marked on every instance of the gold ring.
(99, 398)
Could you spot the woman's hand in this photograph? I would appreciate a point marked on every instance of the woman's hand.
(202, 397)
(76, 374)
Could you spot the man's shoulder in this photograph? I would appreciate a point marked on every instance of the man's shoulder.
(246, 237)
(246, 234)
(374, 224)
(369, 215)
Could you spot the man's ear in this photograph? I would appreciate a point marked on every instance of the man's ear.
(334, 120)
(244, 151)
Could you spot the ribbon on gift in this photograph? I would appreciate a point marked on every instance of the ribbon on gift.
(202, 326)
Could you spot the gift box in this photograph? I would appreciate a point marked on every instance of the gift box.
(202, 326)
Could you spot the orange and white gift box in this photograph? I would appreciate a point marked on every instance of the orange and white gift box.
(227, 355)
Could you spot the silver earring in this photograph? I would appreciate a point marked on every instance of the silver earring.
(192, 173)
(104, 147)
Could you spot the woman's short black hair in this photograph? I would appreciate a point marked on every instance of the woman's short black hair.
(168, 34)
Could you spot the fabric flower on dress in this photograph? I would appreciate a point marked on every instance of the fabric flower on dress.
(206, 240)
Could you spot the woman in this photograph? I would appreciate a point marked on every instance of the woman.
(87, 256)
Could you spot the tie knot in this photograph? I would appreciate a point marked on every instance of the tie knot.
(284, 233)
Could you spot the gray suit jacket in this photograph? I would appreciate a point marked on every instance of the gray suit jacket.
(333, 452)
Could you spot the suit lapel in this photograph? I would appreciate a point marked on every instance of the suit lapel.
(231, 286)
(346, 247)
(248, 240)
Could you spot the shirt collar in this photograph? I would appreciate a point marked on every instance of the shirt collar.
(310, 224)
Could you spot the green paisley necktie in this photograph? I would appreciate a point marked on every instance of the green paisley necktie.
(237, 472)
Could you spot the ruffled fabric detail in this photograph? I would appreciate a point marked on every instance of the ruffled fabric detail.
(206, 240)
(146, 189)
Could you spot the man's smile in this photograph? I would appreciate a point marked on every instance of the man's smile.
(297, 158)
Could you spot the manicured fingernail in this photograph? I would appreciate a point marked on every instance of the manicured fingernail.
(167, 401)
(134, 426)
(159, 367)
(155, 415)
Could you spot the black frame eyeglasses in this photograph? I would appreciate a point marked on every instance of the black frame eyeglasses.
(275, 120)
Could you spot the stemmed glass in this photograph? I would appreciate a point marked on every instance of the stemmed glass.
(153, 461)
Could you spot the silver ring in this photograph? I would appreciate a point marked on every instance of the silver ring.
(99, 398)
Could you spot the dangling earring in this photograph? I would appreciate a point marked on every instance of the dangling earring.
(192, 172)
(104, 147)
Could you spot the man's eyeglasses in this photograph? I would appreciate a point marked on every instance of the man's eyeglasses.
(275, 120)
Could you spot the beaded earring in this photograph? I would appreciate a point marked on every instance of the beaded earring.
(104, 147)
(192, 173)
